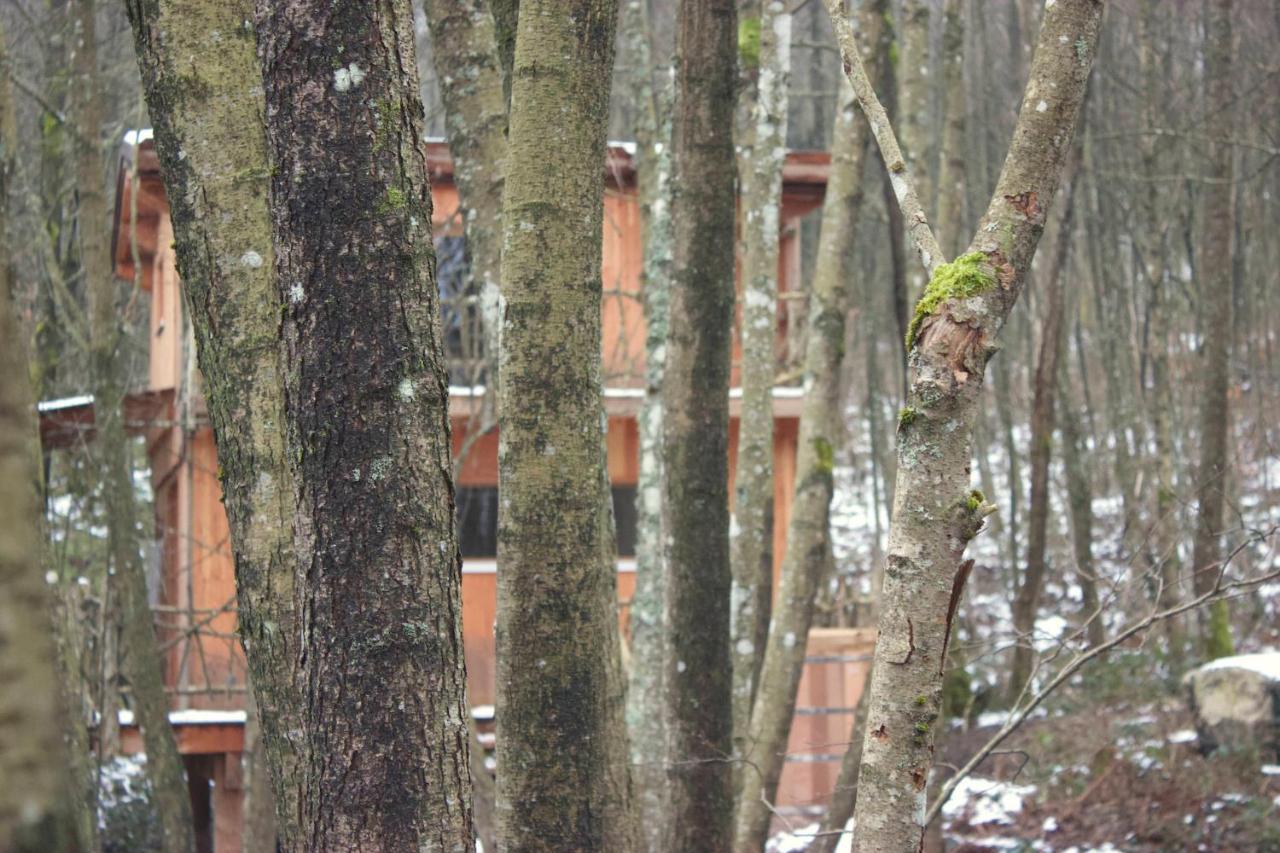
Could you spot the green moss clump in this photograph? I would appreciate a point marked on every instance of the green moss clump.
(826, 455)
(749, 42)
(394, 200)
(907, 416)
(968, 275)
(975, 500)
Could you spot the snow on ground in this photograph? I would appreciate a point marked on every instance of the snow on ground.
(980, 801)
(801, 837)
(1266, 664)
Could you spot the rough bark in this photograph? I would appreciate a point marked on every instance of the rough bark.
(259, 834)
(142, 663)
(562, 746)
(1026, 602)
(207, 120)
(751, 529)
(1213, 269)
(37, 811)
(369, 652)
(646, 690)
(935, 513)
(695, 437)
(821, 431)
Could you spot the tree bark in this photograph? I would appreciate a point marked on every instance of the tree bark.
(465, 54)
(1026, 602)
(935, 513)
(695, 438)
(382, 729)
(646, 701)
(37, 799)
(821, 432)
(143, 664)
(1080, 502)
(1213, 269)
(951, 157)
(562, 746)
(751, 529)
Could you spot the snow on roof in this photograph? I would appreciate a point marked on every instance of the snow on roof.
(1266, 664)
(194, 717)
(137, 137)
(65, 403)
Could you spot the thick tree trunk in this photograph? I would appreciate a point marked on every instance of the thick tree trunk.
(751, 530)
(128, 576)
(1026, 602)
(380, 732)
(935, 512)
(1213, 268)
(353, 631)
(562, 746)
(646, 691)
(37, 794)
(695, 447)
(821, 432)
(209, 136)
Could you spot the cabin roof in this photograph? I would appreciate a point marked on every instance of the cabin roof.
(804, 174)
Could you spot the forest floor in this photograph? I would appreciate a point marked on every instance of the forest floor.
(1121, 777)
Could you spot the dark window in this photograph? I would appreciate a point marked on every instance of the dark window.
(478, 520)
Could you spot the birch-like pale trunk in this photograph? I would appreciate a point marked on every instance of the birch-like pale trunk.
(1213, 269)
(821, 431)
(127, 578)
(952, 153)
(646, 700)
(696, 431)
(562, 744)
(955, 332)
(751, 528)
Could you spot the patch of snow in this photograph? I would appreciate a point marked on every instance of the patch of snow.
(482, 712)
(1271, 770)
(1183, 736)
(986, 800)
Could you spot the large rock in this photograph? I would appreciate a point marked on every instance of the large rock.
(1236, 703)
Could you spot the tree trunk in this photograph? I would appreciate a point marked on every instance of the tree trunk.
(751, 530)
(37, 797)
(562, 746)
(352, 630)
(381, 739)
(1213, 270)
(1080, 502)
(465, 54)
(696, 430)
(259, 834)
(646, 691)
(1026, 603)
(935, 512)
(143, 664)
(821, 432)
(951, 158)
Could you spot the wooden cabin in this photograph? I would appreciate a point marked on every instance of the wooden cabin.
(195, 598)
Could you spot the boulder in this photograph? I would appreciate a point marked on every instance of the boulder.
(1236, 703)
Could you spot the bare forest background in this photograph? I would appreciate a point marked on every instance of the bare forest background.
(1124, 477)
